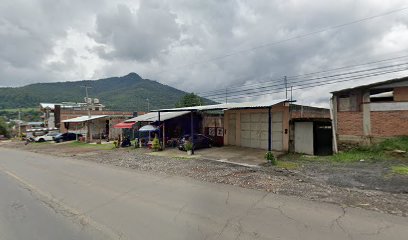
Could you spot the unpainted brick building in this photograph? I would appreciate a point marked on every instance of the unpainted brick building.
(370, 113)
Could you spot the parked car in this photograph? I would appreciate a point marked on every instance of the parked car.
(47, 137)
(200, 141)
(2, 137)
(62, 137)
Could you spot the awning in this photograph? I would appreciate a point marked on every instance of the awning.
(148, 128)
(124, 125)
(83, 119)
(226, 106)
(154, 116)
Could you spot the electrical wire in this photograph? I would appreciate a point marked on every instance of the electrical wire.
(254, 90)
(316, 84)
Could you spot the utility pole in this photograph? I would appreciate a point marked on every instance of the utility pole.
(19, 123)
(88, 134)
(291, 91)
(226, 95)
(286, 87)
(87, 102)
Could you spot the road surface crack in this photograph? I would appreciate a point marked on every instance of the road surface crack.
(337, 222)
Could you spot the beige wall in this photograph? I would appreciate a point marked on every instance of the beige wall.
(276, 108)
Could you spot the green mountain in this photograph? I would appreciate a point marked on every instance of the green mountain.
(127, 93)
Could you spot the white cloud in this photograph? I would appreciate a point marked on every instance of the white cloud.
(179, 42)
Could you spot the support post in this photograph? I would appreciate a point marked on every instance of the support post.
(164, 135)
(270, 129)
(192, 130)
(158, 119)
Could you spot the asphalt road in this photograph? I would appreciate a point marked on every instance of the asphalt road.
(46, 197)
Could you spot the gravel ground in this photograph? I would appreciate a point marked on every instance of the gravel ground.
(304, 183)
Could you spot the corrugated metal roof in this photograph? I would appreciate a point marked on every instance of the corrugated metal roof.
(226, 106)
(373, 84)
(47, 105)
(382, 95)
(153, 116)
(83, 118)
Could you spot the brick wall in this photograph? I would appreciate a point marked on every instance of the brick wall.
(350, 123)
(401, 94)
(390, 123)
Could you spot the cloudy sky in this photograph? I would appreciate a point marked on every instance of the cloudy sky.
(196, 45)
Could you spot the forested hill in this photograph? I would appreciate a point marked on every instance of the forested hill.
(116, 93)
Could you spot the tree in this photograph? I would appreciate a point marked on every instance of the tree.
(189, 100)
(4, 128)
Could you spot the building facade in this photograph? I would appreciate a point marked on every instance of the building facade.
(249, 127)
(370, 113)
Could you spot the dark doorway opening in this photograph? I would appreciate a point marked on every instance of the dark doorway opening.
(322, 138)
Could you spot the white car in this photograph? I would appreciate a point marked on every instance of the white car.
(47, 137)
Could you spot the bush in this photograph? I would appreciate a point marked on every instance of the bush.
(156, 144)
(188, 146)
(270, 158)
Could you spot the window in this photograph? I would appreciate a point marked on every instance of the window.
(344, 103)
(348, 103)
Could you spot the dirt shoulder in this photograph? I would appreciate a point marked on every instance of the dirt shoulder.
(315, 181)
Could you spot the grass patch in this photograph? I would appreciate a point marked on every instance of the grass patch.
(357, 155)
(399, 143)
(402, 170)
(287, 165)
(377, 152)
(108, 146)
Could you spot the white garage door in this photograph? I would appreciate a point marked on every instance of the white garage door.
(254, 130)
(304, 137)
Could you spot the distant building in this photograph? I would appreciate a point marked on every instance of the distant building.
(371, 112)
(54, 114)
(52, 111)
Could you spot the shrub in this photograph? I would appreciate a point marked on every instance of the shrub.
(270, 158)
(188, 146)
(156, 144)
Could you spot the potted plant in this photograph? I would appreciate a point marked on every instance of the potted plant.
(188, 146)
(270, 158)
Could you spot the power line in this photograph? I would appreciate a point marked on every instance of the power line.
(290, 39)
(253, 90)
(320, 83)
(277, 80)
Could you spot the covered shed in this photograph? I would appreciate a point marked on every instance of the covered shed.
(257, 122)
(94, 126)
